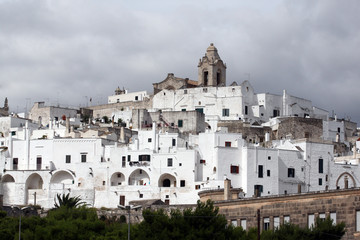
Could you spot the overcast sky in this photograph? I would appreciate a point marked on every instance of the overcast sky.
(69, 51)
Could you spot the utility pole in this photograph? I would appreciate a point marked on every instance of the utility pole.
(258, 223)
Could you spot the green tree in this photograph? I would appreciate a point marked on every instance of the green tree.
(67, 201)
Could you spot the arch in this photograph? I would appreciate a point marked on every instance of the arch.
(117, 178)
(167, 180)
(34, 181)
(139, 177)
(62, 176)
(345, 175)
(7, 178)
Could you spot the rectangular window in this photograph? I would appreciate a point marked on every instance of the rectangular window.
(333, 217)
(144, 157)
(83, 157)
(182, 183)
(185, 91)
(338, 130)
(183, 109)
(123, 162)
(129, 158)
(169, 162)
(260, 171)
(287, 219)
(291, 172)
(320, 181)
(276, 222)
(227, 144)
(149, 139)
(322, 216)
(180, 123)
(269, 157)
(268, 173)
(246, 110)
(311, 220)
(234, 169)
(259, 189)
(122, 200)
(15, 163)
(173, 142)
(243, 224)
(68, 159)
(225, 112)
(136, 98)
(276, 112)
(234, 222)
(13, 133)
(200, 110)
(38, 163)
(266, 223)
(321, 165)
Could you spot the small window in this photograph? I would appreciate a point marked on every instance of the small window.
(180, 164)
(243, 224)
(333, 217)
(141, 195)
(182, 183)
(123, 162)
(136, 98)
(246, 110)
(234, 222)
(169, 162)
(287, 219)
(83, 157)
(68, 159)
(38, 163)
(104, 182)
(197, 187)
(268, 173)
(129, 158)
(266, 224)
(269, 157)
(291, 172)
(320, 181)
(185, 91)
(276, 222)
(321, 165)
(200, 110)
(173, 142)
(13, 133)
(338, 130)
(225, 112)
(15, 163)
(149, 140)
(183, 109)
(311, 220)
(180, 123)
(227, 144)
(234, 169)
(260, 171)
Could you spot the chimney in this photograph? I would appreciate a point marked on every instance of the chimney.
(227, 186)
(67, 125)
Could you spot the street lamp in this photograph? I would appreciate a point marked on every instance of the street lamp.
(129, 208)
(21, 210)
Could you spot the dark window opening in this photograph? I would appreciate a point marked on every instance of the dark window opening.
(136, 98)
(338, 130)
(269, 157)
(260, 171)
(123, 162)
(144, 158)
(173, 142)
(68, 159)
(15, 163)
(246, 110)
(291, 172)
(206, 75)
(183, 109)
(166, 183)
(180, 123)
(83, 157)
(276, 113)
(227, 144)
(320, 181)
(38, 163)
(268, 173)
(129, 158)
(234, 169)
(122, 200)
(225, 112)
(182, 183)
(169, 162)
(218, 78)
(321, 165)
(200, 110)
(258, 189)
(141, 195)
(149, 139)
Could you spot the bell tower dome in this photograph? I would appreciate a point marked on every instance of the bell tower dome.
(211, 69)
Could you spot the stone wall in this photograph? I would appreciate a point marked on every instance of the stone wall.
(297, 128)
(345, 203)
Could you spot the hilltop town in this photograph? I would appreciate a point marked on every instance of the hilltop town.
(210, 138)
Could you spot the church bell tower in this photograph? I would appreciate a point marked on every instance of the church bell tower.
(211, 69)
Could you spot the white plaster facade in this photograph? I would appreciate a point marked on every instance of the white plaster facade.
(128, 97)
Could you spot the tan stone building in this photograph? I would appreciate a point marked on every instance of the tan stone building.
(301, 209)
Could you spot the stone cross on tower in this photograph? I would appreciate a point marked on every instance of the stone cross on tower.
(211, 69)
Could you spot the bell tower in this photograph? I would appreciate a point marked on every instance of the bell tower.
(211, 69)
